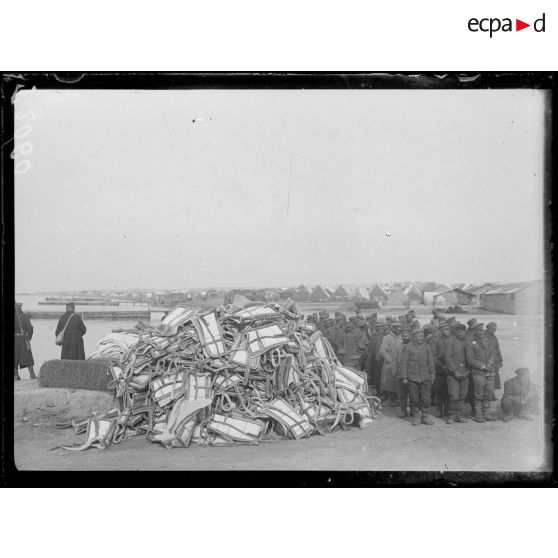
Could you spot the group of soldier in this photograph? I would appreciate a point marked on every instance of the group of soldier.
(444, 361)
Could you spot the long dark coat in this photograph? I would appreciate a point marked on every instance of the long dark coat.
(23, 357)
(72, 346)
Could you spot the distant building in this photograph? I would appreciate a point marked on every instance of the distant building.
(413, 293)
(301, 294)
(341, 293)
(454, 297)
(360, 293)
(515, 298)
(319, 294)
(378, 293)
(397, 297)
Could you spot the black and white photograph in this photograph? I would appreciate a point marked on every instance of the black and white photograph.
(220, 272)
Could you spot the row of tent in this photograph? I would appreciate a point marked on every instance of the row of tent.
(397, 294)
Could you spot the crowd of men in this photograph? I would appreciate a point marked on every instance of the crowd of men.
(444, 361)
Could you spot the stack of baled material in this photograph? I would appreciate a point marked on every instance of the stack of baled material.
(232, 375)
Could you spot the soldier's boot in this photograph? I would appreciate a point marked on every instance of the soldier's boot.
(427, 419)
(507, 418)
(459, 416)
(486, 412)
(479, 417)
(416, 418)
(450, 419)
(32, 373)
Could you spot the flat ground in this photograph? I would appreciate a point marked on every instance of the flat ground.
(387, 444)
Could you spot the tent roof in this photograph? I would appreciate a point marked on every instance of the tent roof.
(360, 292)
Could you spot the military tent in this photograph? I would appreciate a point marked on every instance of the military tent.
(319, 294)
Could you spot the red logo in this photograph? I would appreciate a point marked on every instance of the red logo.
(493, 25)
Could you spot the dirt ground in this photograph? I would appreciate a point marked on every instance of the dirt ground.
(389, 443)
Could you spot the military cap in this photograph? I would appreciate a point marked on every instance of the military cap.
(491, 324)
(405, 328)
(416, 331)
(522, 371)
(337, 313)
(427, 327)
(379, 325)
(477, 327)
(452, 319)
(460, 327)
(360, 316)
(471, 322)
(361, 323)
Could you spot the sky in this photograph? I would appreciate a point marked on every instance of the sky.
(253, 188)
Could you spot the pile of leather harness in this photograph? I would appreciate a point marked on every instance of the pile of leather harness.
(232, 375)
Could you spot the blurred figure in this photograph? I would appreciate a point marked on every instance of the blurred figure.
(520, 396)
(389, 350)
(72, 345)
(373, 360)
(349, 353)
(23, 332)
(437, 317)
(490, 334)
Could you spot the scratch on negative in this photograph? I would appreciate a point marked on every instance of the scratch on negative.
(290, 179)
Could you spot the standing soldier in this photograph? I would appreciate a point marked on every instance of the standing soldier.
(349, 347)
(457, 374)
(373, 358)
(417, 371)
(389, 351)
(23, 332)
(470, 325)
(440, 386)
(436, 317)
(403, 387)
(74, 330)
(490, 333)
(480, 360)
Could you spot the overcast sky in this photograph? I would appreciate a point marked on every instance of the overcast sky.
(275, 188)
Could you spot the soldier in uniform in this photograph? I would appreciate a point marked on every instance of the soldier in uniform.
(417, 371)
(389, 350)
(469, 333)
(520, 396)
(373, 361)
(403, 387)
(440, 386)
(436, 317)
(471, 323)
(23, 332)
(490, 334)
(457, 374)
(480, 360)
(349, 347)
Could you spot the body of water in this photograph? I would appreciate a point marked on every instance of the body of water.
(42, 344)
